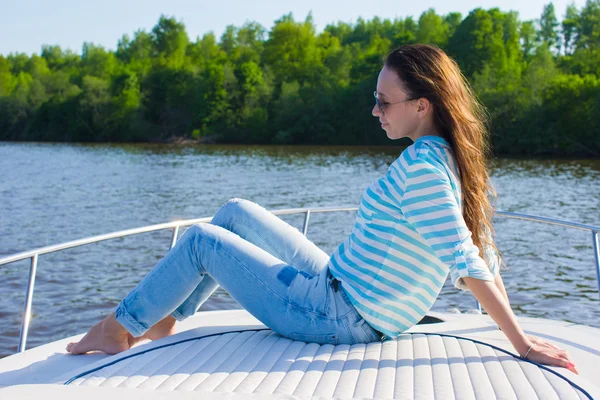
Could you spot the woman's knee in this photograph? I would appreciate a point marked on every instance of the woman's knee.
(233, 209)
(202, 232)
(192, 232)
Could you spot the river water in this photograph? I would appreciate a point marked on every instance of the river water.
(51, 193)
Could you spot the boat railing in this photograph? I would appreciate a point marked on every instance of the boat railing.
(33, 255)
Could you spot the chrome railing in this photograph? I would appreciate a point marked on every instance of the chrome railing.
(175, 225)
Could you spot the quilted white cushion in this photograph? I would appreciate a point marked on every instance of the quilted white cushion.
(413, 366)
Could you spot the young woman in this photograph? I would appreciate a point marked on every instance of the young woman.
(428, 217)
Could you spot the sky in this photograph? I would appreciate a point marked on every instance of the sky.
(25, 25)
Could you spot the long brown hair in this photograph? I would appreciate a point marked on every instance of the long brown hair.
(426, 71)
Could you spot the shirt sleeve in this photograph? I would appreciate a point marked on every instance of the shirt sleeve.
(432, 208)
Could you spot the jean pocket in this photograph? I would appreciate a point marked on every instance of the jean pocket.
(311, 338)
(369, 334)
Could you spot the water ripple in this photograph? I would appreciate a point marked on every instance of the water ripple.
(53, 193)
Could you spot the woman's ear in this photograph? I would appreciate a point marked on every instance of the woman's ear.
(423, 107)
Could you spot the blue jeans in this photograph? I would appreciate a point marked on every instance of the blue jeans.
(269, 267)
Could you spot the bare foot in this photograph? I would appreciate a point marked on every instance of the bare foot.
(111, 337)
(107, 336)
(163, 328)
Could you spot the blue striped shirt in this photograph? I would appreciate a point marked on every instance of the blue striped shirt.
(409, 234)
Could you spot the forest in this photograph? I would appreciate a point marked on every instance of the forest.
(539, 79)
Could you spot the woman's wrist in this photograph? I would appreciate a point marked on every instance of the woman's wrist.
(524, 346)
(490, 297)
(527, 352)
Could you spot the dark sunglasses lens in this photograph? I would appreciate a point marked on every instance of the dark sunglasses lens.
(379, 105)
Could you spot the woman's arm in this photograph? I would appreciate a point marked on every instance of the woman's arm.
(493, 301)
(430, 205)
(536, 340)
(500, 285)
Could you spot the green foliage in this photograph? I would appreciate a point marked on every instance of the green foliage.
(433, 29)
(97, 61)
(170, 42)
(529, 39)
(569, 28)
(540, 81)
(291, 51)
(7, 80)
(477, 43)
(588, 26)
(548, 27)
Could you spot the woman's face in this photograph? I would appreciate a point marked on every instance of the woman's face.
(398, 116)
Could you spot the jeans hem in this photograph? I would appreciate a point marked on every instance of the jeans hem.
(128, 322)
(178, 316)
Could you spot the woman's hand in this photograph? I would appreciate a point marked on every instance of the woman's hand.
(543, 352)
(541, 342)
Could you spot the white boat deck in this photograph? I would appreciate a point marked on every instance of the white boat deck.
(231, 355)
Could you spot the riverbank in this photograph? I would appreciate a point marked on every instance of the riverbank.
(217, 140)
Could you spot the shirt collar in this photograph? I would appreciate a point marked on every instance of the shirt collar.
(431, 138)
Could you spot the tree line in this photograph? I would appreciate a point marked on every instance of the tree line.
(539, 79)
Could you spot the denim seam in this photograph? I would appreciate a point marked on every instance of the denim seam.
(299, 335)
(329, 291)
(347, 326)
(268, 288)
(152, 277)
(347, 300)
(369, 331)
(124, 314)
(178, 316)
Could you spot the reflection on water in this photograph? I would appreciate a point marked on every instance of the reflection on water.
(54, 192)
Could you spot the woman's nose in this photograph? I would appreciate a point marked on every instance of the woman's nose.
(375, 111)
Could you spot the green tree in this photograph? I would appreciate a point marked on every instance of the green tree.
(296, 86)
(170, 42)
(453, 20)
(479, 41)
(229, 42)
(250, 39)
(570, 26)
(433, 29)
(539, 73)
(588, 28)
(205, 50)
(342, 31)
(18, 62)
(54, 56)
(337, 59)
(137, 54)
(94, 103)
(585, 59)
(291, 50)
(97, 61)
(7, 80)
(548, 27)
(528, 36)
(409, 32)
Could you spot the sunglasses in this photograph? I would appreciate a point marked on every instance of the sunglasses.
(383, 105)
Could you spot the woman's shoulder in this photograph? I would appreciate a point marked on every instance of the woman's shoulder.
(419, 155)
